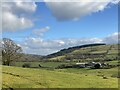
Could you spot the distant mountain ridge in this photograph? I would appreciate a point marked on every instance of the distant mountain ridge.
(87, 52)
(30, 57)
(70, 49)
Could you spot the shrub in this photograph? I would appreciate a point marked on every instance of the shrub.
(69, 66)
(64, 66)
(40, 65)
(61, 66)
(97, 66)
(26, 65)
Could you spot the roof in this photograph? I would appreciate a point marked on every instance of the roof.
(80, 63)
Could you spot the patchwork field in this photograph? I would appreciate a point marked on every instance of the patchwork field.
(17, 77)
(95, 53)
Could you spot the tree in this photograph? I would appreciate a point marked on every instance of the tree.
(10, 51)
(97, 66)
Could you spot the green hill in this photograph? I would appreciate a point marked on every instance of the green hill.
(93, 52)
(71, 49)
(30, 57)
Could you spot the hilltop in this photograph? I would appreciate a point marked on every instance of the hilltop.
(71, 49)
(94, 52)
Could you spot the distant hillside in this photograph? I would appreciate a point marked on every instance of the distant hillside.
(30, 57)
(86, 52)
(71, 49)
(25, 57)
(93, 52)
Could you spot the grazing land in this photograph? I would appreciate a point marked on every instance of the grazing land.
(17, 77)
(85, 54)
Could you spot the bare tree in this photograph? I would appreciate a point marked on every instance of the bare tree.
(10, 51)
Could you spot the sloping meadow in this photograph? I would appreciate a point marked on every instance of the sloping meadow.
(17, 77)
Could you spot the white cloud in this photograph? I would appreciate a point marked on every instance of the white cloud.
(40, 32)
(44, 47)
(113, 1)
(14, 15)
(39, 46)
(113, 38)
(75, 10)
(19, 7)
(11, 22)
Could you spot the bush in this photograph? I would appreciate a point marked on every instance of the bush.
(97, 66)
(26, 65)
(69, 66)
(64, 66)
(61, 66)
(40, 65)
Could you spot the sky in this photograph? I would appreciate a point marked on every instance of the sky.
(46, 27)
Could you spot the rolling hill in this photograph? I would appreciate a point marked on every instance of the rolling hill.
(71, 49)
(94, 52)
(30, 57)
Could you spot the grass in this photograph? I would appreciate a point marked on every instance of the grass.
(115, 62)
(86, 71)
(55, 64)
(44, 64)
(113, 52)
(17, 77)
(110, 50)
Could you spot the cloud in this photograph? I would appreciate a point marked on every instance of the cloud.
(75, 10)
(36, 45)
(18, 7)
(112, 39)
(39, 46)
(14, 15)
(39, 32)
(44, 47)
(11, 22)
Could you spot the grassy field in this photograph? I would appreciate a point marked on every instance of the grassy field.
(115, 62)
(17, 77)
(54, 64)
(110, 50)
(43, 64)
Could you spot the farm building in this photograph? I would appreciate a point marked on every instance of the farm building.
(89, 65)
(81, 65)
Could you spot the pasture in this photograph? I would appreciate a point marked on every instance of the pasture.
(52, 65)
(17, 77)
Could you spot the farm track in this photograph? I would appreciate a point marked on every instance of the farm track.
(16, 75)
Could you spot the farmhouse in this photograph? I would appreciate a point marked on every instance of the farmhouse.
(93, 64)
(89, 65)
(81, 65)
